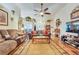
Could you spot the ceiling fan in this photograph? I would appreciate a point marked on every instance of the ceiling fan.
(42, 11)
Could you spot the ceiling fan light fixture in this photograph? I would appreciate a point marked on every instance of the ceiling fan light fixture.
(41, 13)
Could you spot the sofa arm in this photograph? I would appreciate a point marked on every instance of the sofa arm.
(20, 39)
(7, 46)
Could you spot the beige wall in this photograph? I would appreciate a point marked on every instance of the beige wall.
(64, 15)
(11, 24)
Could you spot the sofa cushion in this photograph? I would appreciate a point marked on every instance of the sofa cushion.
(7, 46)
(34, 32)
(13, 33)
(4, 32)
(45, 32)
(15, 36)
(0, 36)
(7, 37)
(1, 39)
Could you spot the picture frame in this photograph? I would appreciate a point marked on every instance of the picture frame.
(75, 14)
(3, 17)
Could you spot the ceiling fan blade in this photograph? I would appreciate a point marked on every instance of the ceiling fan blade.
(45, 9)
(47, 13)
(36, 10)
(35, 14)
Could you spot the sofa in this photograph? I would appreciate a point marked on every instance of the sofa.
(7, 46)
(42, 32)
(9, 40)
(13, 35)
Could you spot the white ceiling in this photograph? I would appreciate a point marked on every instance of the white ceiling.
(27, 9)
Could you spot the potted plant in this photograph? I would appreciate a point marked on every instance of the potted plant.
(58, 22)
(28, 18)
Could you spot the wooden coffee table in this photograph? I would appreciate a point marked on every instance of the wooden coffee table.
(40, 39)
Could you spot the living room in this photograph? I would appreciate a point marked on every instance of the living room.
(39, 29)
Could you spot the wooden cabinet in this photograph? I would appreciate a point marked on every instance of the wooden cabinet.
(57, 32)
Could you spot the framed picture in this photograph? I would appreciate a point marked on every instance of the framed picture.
(75, 14)
(3, 17)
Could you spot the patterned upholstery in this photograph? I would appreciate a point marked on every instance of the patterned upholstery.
(14, 35)
(5, 34)
(7, 46)
(45, 32)
(34, 32)
(1, 39)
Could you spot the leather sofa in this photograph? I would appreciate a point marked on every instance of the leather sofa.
(9, 40)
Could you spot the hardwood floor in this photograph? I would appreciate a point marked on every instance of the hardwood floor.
(56, 47)
(66, 47)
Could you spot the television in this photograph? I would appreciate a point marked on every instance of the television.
(72, 28)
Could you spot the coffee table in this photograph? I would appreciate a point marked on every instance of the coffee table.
(40, 39)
